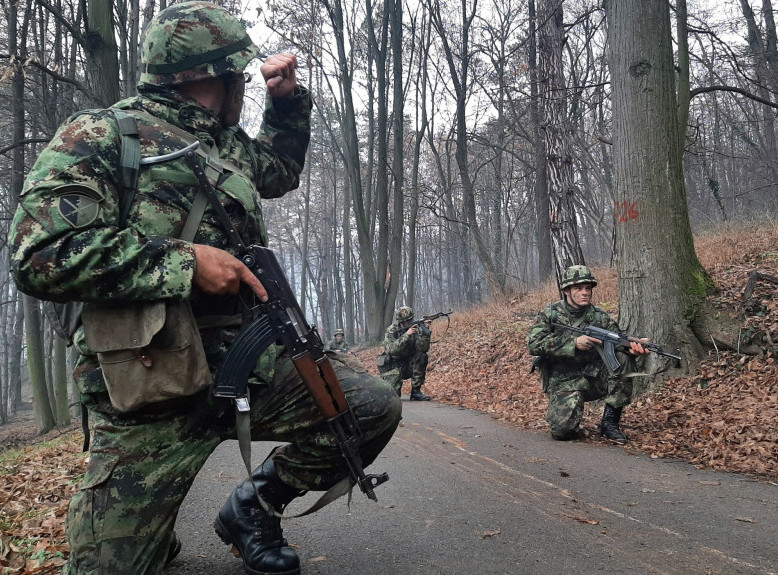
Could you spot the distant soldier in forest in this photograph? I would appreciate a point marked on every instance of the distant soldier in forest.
(571, 368)
(405, 353)
(338, 342)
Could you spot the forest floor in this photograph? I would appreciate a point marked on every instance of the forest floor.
(723, 417)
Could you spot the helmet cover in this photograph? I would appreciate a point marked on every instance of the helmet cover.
(192, 41)
(403, 314)
(576, 275)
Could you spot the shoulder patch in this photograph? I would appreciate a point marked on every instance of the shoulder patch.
(78, 204)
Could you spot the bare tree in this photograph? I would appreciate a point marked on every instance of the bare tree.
(553, 96)
(662, 284)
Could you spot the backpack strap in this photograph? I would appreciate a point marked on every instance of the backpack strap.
(129, 161)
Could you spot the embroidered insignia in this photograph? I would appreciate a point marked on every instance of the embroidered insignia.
(79, 205)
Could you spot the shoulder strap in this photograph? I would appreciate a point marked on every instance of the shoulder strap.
(129, 160)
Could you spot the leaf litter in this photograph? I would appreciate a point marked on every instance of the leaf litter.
(721, 418)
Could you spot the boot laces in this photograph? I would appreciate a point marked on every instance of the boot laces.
(268, 529)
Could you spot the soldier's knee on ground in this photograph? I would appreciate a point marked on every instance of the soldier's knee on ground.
(564, 415)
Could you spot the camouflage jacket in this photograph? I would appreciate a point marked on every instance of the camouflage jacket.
(400, 345)
(333, 345)
(556, 347)
(67, 241)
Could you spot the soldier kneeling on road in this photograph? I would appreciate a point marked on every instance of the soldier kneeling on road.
(405, 353)
(571, 369)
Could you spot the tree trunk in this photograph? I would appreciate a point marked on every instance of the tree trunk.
(59, 373)
(102, 53)
(421, 128)
(15, 365)
(542, 206)
(553, 96)
(394, 16)
(44, 415)
(662, 283)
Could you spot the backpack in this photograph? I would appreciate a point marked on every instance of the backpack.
(65, 318)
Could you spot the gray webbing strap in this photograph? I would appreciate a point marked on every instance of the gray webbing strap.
(243, 428)
(129, 160)
(195, 216)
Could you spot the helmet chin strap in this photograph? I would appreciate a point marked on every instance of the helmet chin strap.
(232, 103)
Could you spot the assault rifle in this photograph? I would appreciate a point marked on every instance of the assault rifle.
(610, 340)
(421, 324)
(281, 319)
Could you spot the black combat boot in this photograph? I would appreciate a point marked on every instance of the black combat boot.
(255, 533)
(419, 395)
(609, 427)
(567, 435)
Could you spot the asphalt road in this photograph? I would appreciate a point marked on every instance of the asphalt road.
(469, 495)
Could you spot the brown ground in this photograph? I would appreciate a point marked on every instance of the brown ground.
(723, 418)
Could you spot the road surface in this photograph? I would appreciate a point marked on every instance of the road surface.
(470, 495)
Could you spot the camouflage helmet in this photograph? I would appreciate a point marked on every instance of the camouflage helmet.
(192, 41)
(403, 314)
(339, 331)
(576, 275)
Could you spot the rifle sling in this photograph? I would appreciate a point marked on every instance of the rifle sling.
(245, 350)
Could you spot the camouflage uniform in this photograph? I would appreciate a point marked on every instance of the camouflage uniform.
(68, 244)
(335, 345)
(572, 376)
(405, 356)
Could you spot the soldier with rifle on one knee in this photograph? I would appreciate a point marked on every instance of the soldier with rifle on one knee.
(571, 369)
(406, 344)
(162, 247)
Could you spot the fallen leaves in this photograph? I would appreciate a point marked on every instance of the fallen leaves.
(722, 418)
(582, 519)
(34, 493)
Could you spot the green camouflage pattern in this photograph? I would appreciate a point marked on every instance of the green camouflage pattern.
(335, 345)
(191, 41)
(67, 244)
(403, 314)
(571, 376)
(141, 466)
(575, 275)
(406, 357)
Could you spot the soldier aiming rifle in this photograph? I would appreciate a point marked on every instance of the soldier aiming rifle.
(406, 343)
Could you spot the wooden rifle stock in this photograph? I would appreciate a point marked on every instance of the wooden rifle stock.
(303, 343)
(323, 385)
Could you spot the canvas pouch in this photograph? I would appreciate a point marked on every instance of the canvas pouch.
(148, 351)
(384, 361)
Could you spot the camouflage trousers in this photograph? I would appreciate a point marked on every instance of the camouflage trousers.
(142, 464)
(566, 399)
(414, 367)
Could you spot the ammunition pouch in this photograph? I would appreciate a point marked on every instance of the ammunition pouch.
(384, 362)
(540, 364)
(148, 351)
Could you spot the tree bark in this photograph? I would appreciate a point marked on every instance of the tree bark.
(553, 96)
(59, 373)
(662, 283)
(44, 414)
(102, 53)
(542, 206)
